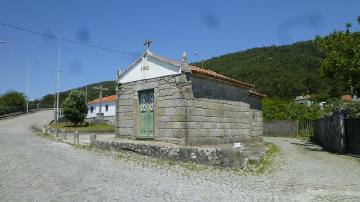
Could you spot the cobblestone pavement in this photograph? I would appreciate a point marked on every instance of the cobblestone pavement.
(34, 168)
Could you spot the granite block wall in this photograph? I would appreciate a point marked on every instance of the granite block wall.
(192, 110)
(329, 132)
(281, 128)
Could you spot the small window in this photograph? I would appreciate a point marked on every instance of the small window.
(106, 108)
(91, 109)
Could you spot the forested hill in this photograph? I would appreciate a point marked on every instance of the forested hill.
(48, 100)
(282, 71)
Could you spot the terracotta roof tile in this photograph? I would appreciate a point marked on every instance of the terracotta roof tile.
(110, 98)
(346, 98)
(212, 74)
(254, 93)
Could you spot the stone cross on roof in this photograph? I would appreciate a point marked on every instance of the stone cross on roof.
(147, 44)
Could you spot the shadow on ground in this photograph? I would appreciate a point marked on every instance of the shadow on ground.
(311, 146)
(308, 145)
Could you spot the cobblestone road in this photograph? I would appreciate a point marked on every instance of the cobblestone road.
(34, 168)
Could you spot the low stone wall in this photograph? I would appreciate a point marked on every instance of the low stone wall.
(214, 156)
(281, 128)
(73, 137)
(329, 132)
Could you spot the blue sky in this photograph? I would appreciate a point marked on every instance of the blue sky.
(211, 28)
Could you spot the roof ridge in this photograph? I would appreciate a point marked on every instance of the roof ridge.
(213, 74)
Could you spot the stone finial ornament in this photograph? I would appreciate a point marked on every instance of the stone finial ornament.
(184, 63)
(118, 74)
(184, 57)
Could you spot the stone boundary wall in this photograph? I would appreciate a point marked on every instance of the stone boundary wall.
(72, 137)
(352, 133)
(247, 156)
(281, 128)
(329, 132)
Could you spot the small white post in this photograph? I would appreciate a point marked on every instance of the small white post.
(76, 138)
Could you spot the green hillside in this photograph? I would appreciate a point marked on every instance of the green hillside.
(281, 71)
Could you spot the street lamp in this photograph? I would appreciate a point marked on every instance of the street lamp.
(202, 61)
(28, 85)
(2, 42)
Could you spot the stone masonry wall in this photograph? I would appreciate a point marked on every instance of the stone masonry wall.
(191, 110)
(220, 113)
(256, 123)
(284, 128)
(329, 132)
(170, 107)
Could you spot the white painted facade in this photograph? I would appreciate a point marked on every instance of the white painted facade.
(149, 66)
(108, 108)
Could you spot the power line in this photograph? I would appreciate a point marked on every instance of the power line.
(18, 40)
(64, 39)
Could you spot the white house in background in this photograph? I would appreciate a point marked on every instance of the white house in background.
(304, 100)
(108, 108)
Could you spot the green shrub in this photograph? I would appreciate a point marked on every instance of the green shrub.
(74, 107)
(279, 109)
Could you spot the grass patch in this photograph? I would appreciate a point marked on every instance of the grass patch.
(267, 161)
(80, 146)
(48, 136)
(99, 128)
(305, 134)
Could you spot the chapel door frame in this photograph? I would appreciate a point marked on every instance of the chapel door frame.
(146, 114)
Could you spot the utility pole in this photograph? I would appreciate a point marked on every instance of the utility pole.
(58, 82)
(202, 61)
(27, 87)
(86, 94)
(100, 116)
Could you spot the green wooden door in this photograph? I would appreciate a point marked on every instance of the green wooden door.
(146, 99)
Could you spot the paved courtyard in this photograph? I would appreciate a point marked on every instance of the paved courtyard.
(34, 168)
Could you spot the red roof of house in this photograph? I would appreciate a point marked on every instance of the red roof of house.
(110, 98)
(346, 98)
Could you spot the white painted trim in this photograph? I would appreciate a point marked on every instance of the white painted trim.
(148, 67)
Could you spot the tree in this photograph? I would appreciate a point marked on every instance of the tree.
(342, 57)
(13, 99)
(74, 107)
